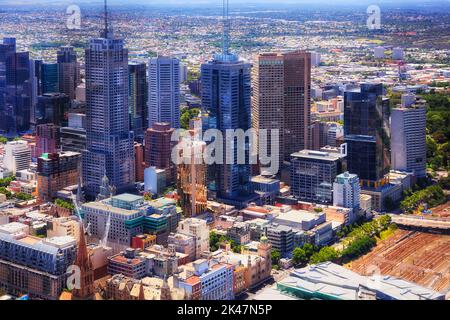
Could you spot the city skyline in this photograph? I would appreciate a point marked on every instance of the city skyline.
(224, 151)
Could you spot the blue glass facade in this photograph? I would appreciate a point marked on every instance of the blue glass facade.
(226, 99)
(366, 126)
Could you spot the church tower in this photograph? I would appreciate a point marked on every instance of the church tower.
(83, 261)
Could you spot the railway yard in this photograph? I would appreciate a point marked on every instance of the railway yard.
(418, 257)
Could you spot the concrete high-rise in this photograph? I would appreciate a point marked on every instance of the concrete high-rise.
(17, 156)
(313, 174)
(68, 71)
(409, 148)
(282, 99)
(346, 191)
(57, 171)
(268, 98)
(158, 148)
(297, 108)
(109, 139)
(164, 91)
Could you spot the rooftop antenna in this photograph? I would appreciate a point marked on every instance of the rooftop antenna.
(106, 30)
(226, 28)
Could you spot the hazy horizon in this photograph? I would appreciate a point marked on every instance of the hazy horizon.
(234, 3)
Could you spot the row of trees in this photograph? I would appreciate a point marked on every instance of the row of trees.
(19, 196)
(438, 130)
(431, 196)
(65, 204)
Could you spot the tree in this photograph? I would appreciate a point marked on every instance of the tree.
(6, 192)
(187, 115)
(325, 254)
(276, 256)
(299, 256)
(23, 196)
(65, 204)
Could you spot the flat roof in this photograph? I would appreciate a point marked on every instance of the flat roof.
(339, 282)
(108, 208)
(318, 155)
(128, 197)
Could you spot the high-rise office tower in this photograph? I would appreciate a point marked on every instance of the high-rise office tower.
(282, 99)
(366, 127)
(109, 139)
(226, 99)
(50, 78)
(297, 91)
(268, 98)
(15, 88)
(164, 91)
(158, 148)
(409, 148)
(313, 174)
(138, 98)
(47, 139)
(52, 108)
(36, 90)
(139, 161)
(68, 71)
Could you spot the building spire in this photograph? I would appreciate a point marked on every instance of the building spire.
(226, 28)
(106, 32)
(83, 261)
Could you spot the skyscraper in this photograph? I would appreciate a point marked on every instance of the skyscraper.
(158, 148)
(268, 97)
(366, 127)
(15, 88)
(164, 91)
(282, 99)
(109, 139)
(297, 108)
(226, 99)
(409, 148)
(50, 78)
(138, 98)
(68, 71)
(52, 108)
